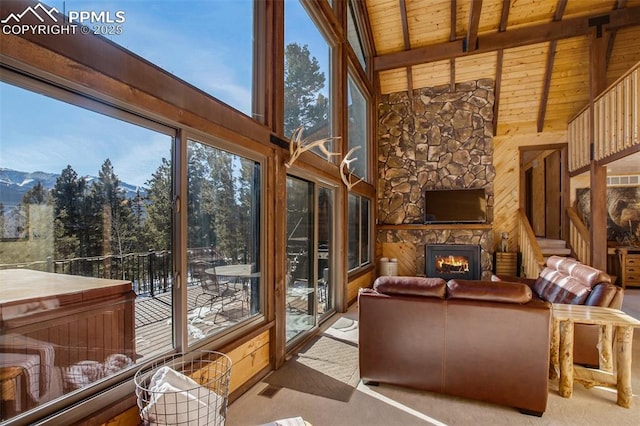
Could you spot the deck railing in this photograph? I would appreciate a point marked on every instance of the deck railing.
(616, 122)
(150, 273)
(579, 237)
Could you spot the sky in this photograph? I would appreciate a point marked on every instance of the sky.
(203, 42)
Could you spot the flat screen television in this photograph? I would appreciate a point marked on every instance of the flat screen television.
(455, 206)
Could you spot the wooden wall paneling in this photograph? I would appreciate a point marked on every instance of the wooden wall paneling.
(568, 90)
(524, 11)
(386, 26)
(431, 74)
(393, 81)
(506, 186)
(406, 255)
(476, 67)
(431, 28)
(362, 281)
(626, 53)
(248, 359)
(521, 84)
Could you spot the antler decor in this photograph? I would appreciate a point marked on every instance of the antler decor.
(346, 162)
(298, 145)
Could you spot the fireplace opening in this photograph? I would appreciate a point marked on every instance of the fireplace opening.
(449, 261)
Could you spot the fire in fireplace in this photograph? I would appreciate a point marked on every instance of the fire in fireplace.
(449, 261)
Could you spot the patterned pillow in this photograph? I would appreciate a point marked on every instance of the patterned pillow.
(556, 287)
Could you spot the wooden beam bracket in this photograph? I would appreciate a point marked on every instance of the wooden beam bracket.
(598, 22)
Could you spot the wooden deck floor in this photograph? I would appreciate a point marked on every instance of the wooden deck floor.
(154, 317)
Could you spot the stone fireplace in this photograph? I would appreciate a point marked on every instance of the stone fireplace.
(433, 138)
(451, 261)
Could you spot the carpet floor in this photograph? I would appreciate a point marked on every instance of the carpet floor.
(321, 385)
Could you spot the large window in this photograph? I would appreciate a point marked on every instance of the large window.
(222, 238)
(85, 254)
(357, 116)
(353, 34)
(359, 234)
(309, 263)
(209, 44)
(307, 79)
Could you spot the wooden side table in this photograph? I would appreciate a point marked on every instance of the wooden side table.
(506, 263)
(564, 317)
(629, 266)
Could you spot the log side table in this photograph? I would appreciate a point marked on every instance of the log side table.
(564, 317)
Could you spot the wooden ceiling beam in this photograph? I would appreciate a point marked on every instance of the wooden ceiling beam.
(471, 39)
(620, 4)
(453, 23)
(557, 30)
(407, 42)
(504, 17)
(548, 71)
(502, 27)
(496, 92)
(546, 84)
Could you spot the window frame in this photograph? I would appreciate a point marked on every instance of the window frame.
(318, 182)
(361, 264)
(315, 15)
(233, 332)
(353, 76)
(74, 406)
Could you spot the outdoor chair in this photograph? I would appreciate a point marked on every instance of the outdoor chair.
(213, 289)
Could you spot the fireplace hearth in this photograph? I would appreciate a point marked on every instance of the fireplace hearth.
(449, 261)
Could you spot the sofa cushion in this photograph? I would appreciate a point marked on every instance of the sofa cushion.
(556, 287)
(602, 295)
(566, 280)
(494, 291)
(411, 286)
(588, 275)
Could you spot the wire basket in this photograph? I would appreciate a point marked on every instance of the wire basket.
(184, 389)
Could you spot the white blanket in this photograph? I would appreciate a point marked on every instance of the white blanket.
(178, 399)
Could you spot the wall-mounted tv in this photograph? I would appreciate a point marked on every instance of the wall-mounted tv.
(455, 206)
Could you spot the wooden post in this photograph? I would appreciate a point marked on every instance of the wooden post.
(565, 387)
(605, 347)
(598, 173)
(554, 365)
(624, 338)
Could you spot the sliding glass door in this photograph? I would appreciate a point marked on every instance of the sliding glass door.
(310, 231)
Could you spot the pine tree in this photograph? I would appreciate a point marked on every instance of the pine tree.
(37, 195)
(304, 105)
(118, 226)
(157, 226)
(200, 198)
(66, 194)
(225, 215)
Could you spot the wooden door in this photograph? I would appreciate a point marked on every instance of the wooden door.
(553, 195)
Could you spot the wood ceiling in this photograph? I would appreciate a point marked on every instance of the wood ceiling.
(536, 51)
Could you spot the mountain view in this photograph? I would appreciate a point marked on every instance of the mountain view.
(14, 184)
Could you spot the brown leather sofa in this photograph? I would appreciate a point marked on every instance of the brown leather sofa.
(566, 280)
(475, 339)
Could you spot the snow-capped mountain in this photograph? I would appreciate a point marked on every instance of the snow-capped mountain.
(14, 184)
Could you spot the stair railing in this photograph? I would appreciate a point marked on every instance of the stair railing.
(532, 259)
(579, 237)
